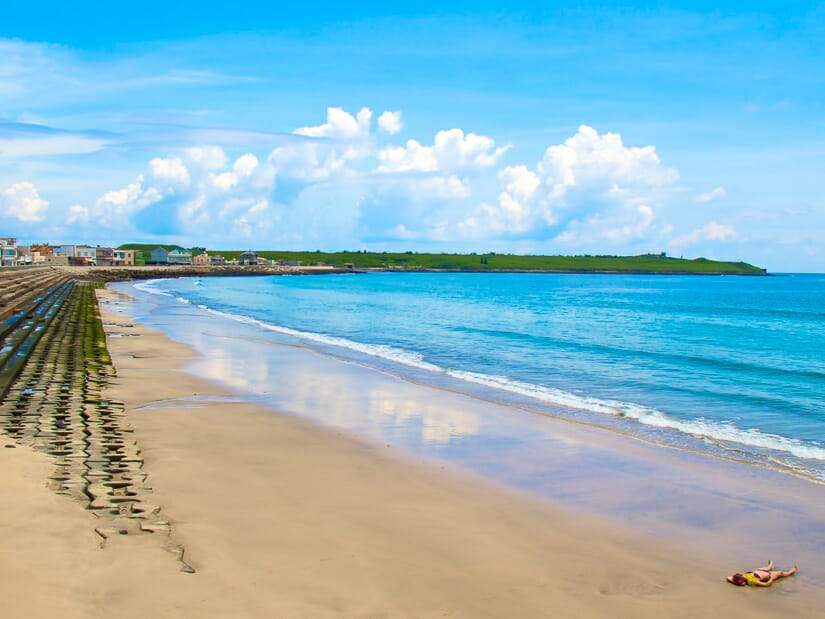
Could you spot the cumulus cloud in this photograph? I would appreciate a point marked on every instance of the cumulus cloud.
(23, 202)
(441, 187)
(590, 188)
(310, 162)
(196, 192)
(419, 191)
(78, 215)
(602, 163)
(634, 224)
(413, 156)
(714, 231)
(200, 189)
(589, 182)
(340, 125)
(451, 150)
(390, 122)
(245, 165)
(711, 231)
(224, 181)
(170, 173)
(114, 207)
(714, 194)
(206, 157)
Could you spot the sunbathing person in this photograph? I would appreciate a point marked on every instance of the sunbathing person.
(760, 577)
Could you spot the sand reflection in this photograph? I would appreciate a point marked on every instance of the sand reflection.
(340, 395)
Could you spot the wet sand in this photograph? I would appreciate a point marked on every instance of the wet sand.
(281, 517)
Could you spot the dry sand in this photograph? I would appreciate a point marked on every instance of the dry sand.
(282, 518)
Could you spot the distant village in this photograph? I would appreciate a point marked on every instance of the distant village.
(43, 254)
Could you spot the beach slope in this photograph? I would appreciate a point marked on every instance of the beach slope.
(282, 518)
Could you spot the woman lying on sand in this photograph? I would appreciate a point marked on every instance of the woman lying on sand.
(760, 577)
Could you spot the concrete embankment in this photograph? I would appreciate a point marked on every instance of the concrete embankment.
(54, 372)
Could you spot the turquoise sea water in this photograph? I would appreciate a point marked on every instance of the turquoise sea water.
(731, 365)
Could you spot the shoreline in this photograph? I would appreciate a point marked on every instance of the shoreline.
(280, 516)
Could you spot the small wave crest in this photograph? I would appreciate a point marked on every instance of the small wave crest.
(700, 428)
(375, 350)
(148, 286)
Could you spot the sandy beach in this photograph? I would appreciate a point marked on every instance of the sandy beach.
(280, 517)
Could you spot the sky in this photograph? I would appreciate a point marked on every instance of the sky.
(693, 128)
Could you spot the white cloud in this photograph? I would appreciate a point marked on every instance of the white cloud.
(309, 162)
(511, 214)
(200, 192)
(452, 150)
(181, 179)
(714, 194)
(456, 150)
(711, 231)
(169, 172)
(340, 125)
(519, 182)
(115, 208)
(714, 231)
(22, 202)
(520, 185)
(647, 215)
(441, 187)
(591, 186)
(625, 228)
(413, 156)
(390, 122)
(78, 215)
(259, 207)
(245, 164)
(206, 157)
(253, 220)
(224, 181)
(602, 163)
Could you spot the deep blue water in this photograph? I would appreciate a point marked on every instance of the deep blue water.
(735, 365)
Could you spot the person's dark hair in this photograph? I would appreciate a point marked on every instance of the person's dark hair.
(738, 580)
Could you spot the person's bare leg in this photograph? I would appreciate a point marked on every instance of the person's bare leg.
(780, 574)
(767, 568)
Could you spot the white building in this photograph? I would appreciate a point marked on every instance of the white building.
(86, 252)
(8, 251)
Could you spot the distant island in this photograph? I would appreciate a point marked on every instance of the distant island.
(488, 262)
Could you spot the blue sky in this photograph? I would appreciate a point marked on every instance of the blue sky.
(689, 128)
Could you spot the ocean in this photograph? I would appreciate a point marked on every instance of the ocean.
(731, 366)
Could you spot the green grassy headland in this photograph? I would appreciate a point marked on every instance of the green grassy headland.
(646, 263)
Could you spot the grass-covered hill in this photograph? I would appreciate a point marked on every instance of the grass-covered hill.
(646, 263)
